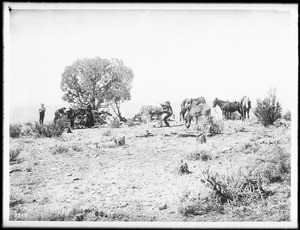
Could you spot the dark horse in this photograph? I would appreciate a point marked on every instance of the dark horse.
(195, 112)
(227, 107)
(187, 103)
(73, 113)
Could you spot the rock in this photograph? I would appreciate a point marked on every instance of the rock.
(163, 207)
(120, 140)
(225, 149)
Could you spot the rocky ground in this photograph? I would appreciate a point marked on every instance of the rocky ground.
(85, 176)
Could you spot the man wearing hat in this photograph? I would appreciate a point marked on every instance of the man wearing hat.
(167, 108)
(42, 113)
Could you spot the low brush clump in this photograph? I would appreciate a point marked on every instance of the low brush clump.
(15, 130)
(14, 152)
(274, 165)
(51, 130)
(268, 110)
(227, 192)
(211, 127)
(115, 123)
(199, 155)
(287, 116)
(60, 149)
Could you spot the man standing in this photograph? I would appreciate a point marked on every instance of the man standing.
(167, 108)
(42, 114)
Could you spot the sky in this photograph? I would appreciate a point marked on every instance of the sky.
(175, 53)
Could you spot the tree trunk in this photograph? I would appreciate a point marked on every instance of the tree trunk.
(117, 111)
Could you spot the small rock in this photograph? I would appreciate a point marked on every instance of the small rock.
(163, 207)
(101, 213)
(225, 149)
(96, 213)
(76, 179)
(28, 169)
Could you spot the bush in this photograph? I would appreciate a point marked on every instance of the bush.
(15, 130)
(13, 153)
(51, 130)
(268, 110)
(115, 123)
(274, 165)
(287, 116)
(211, 126)
(60, 149)
(199, 155)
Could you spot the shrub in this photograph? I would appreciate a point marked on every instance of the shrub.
(51, 130)
(211, 126)
(13, 153)
(201, 155)
(76, 148)
(196, 204)
(274, 165)
(15, 130)
(268, 110)
(287, 116)
(60, 149)
(115, 123)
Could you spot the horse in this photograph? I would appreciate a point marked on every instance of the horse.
(227, 107)
(187, 104)
(221, 104)
(195, 112)
(245, 106)
(230, 108)
(59, 114)
(73, 113)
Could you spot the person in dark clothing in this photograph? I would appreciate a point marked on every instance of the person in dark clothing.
(59, 114)
(89, 118)
(167, 109)
(42, 114)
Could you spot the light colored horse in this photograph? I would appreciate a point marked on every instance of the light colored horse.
(187, 104)
(195, 112)
(245, 106)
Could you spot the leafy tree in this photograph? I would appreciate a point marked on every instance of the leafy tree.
(93, 81)
(268, 110)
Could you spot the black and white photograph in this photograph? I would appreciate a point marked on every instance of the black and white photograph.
(150, 115)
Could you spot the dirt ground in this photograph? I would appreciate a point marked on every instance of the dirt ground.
(84, 176)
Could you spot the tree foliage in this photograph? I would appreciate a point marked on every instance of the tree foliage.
(93, 81)
(268, 110)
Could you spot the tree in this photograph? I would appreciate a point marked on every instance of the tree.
(268, 110)
(93, 81)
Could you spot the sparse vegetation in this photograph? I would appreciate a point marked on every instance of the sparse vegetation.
(14, 152)
(115, 123)
(199, 155)
(15, 130)
(211, 126)
(52, 129)
(268, 110)
(60, 149)
(287, 116)
(274, 165)
(76, 148)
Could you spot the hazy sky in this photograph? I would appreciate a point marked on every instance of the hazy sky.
(174, 53)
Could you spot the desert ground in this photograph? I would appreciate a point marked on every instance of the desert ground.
(86, 176)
